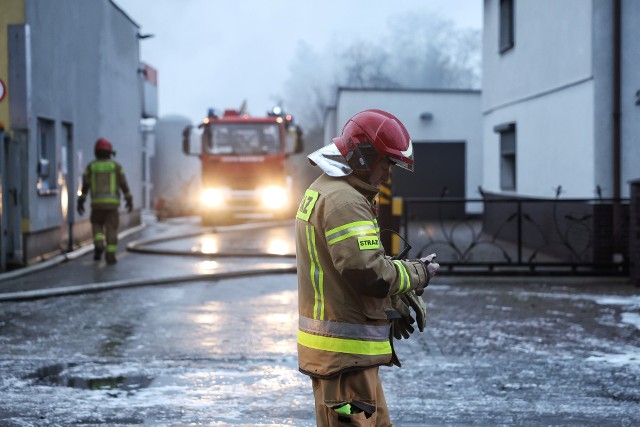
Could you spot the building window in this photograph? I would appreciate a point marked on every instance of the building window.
(47, 180)
(507, 156)
(506, 25)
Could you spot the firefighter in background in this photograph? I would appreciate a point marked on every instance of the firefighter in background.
(348, 289)
(104, 179)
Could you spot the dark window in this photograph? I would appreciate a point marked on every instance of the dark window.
(507, 156)
(506, 25)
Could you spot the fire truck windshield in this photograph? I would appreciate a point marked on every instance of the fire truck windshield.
(244, 138)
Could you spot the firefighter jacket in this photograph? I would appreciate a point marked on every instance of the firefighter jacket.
(345, 281)
(104, 179)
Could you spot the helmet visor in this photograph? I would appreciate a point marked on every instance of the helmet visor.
(406, 158)
(402, 164)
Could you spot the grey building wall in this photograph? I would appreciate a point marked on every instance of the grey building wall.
(630, 126)
(84, 68)
(557, 84)
(330, 128)
(175, 176)
(603, 42)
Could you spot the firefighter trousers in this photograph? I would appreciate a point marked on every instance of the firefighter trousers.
(104, 223)
(361, 390)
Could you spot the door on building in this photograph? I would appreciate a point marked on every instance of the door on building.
(11, 157)
(440, 171)
(66, 177)
(3, 226)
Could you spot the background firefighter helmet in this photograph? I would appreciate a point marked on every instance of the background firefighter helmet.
(104, 145)
(377, 132)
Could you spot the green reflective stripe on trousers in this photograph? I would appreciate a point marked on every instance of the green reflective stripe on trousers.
(317, 275)
(98, 237)
(112, 248)
(343, 345)
(357, 228)
(344, 409)
(405, 281)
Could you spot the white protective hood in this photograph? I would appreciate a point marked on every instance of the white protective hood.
(329, 159)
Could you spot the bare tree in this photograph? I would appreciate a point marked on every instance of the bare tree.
(418, 51)
(365, 65)
(310, 86)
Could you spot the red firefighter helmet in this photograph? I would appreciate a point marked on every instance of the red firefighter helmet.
(383, 131)
(103, 144)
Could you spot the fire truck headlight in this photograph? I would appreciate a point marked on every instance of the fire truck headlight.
(212, 197)
(275, 198)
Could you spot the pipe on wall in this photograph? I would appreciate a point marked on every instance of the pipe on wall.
(616, 148)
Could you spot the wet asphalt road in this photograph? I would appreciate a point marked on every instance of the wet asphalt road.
(498, 352)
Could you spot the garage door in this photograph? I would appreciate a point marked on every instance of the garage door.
(439, 170)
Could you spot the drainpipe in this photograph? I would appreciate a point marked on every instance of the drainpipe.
(617, 36)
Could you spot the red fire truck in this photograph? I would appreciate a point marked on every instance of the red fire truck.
(244, 173)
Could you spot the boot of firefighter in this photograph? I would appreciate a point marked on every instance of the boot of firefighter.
(98, 246)
(111, 254)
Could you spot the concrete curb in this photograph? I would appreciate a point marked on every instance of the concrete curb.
(59, 259)
(119, 284)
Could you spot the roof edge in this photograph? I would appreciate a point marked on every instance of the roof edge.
(404, 89)
(126, 15)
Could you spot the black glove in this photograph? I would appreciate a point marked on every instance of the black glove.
(402, 324)
(402, 328)
(80, 206)
(129, 204)
(419, 307)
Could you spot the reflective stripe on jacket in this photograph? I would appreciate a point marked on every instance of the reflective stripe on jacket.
(104, 179)
(345, 281)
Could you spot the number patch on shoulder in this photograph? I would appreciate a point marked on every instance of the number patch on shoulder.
(307, 204)
(366, 243)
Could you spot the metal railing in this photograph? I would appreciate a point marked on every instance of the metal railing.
(499, 235)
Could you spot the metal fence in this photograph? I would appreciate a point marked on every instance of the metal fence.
(502, 235)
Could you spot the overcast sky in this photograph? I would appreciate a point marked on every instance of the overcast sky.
(213, 53)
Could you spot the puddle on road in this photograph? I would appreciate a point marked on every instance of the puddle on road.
(115, 386)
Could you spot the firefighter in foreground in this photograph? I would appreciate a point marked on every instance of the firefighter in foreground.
(350, 293)
(105, 180)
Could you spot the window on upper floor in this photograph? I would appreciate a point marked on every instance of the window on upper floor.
(507, 40)
(507, 156)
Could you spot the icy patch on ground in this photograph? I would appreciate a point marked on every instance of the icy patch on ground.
(632, 358)
(632, 319)
(623, 300)
(633, 301)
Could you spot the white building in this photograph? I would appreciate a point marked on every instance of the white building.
(556, 75)
(445, 127)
